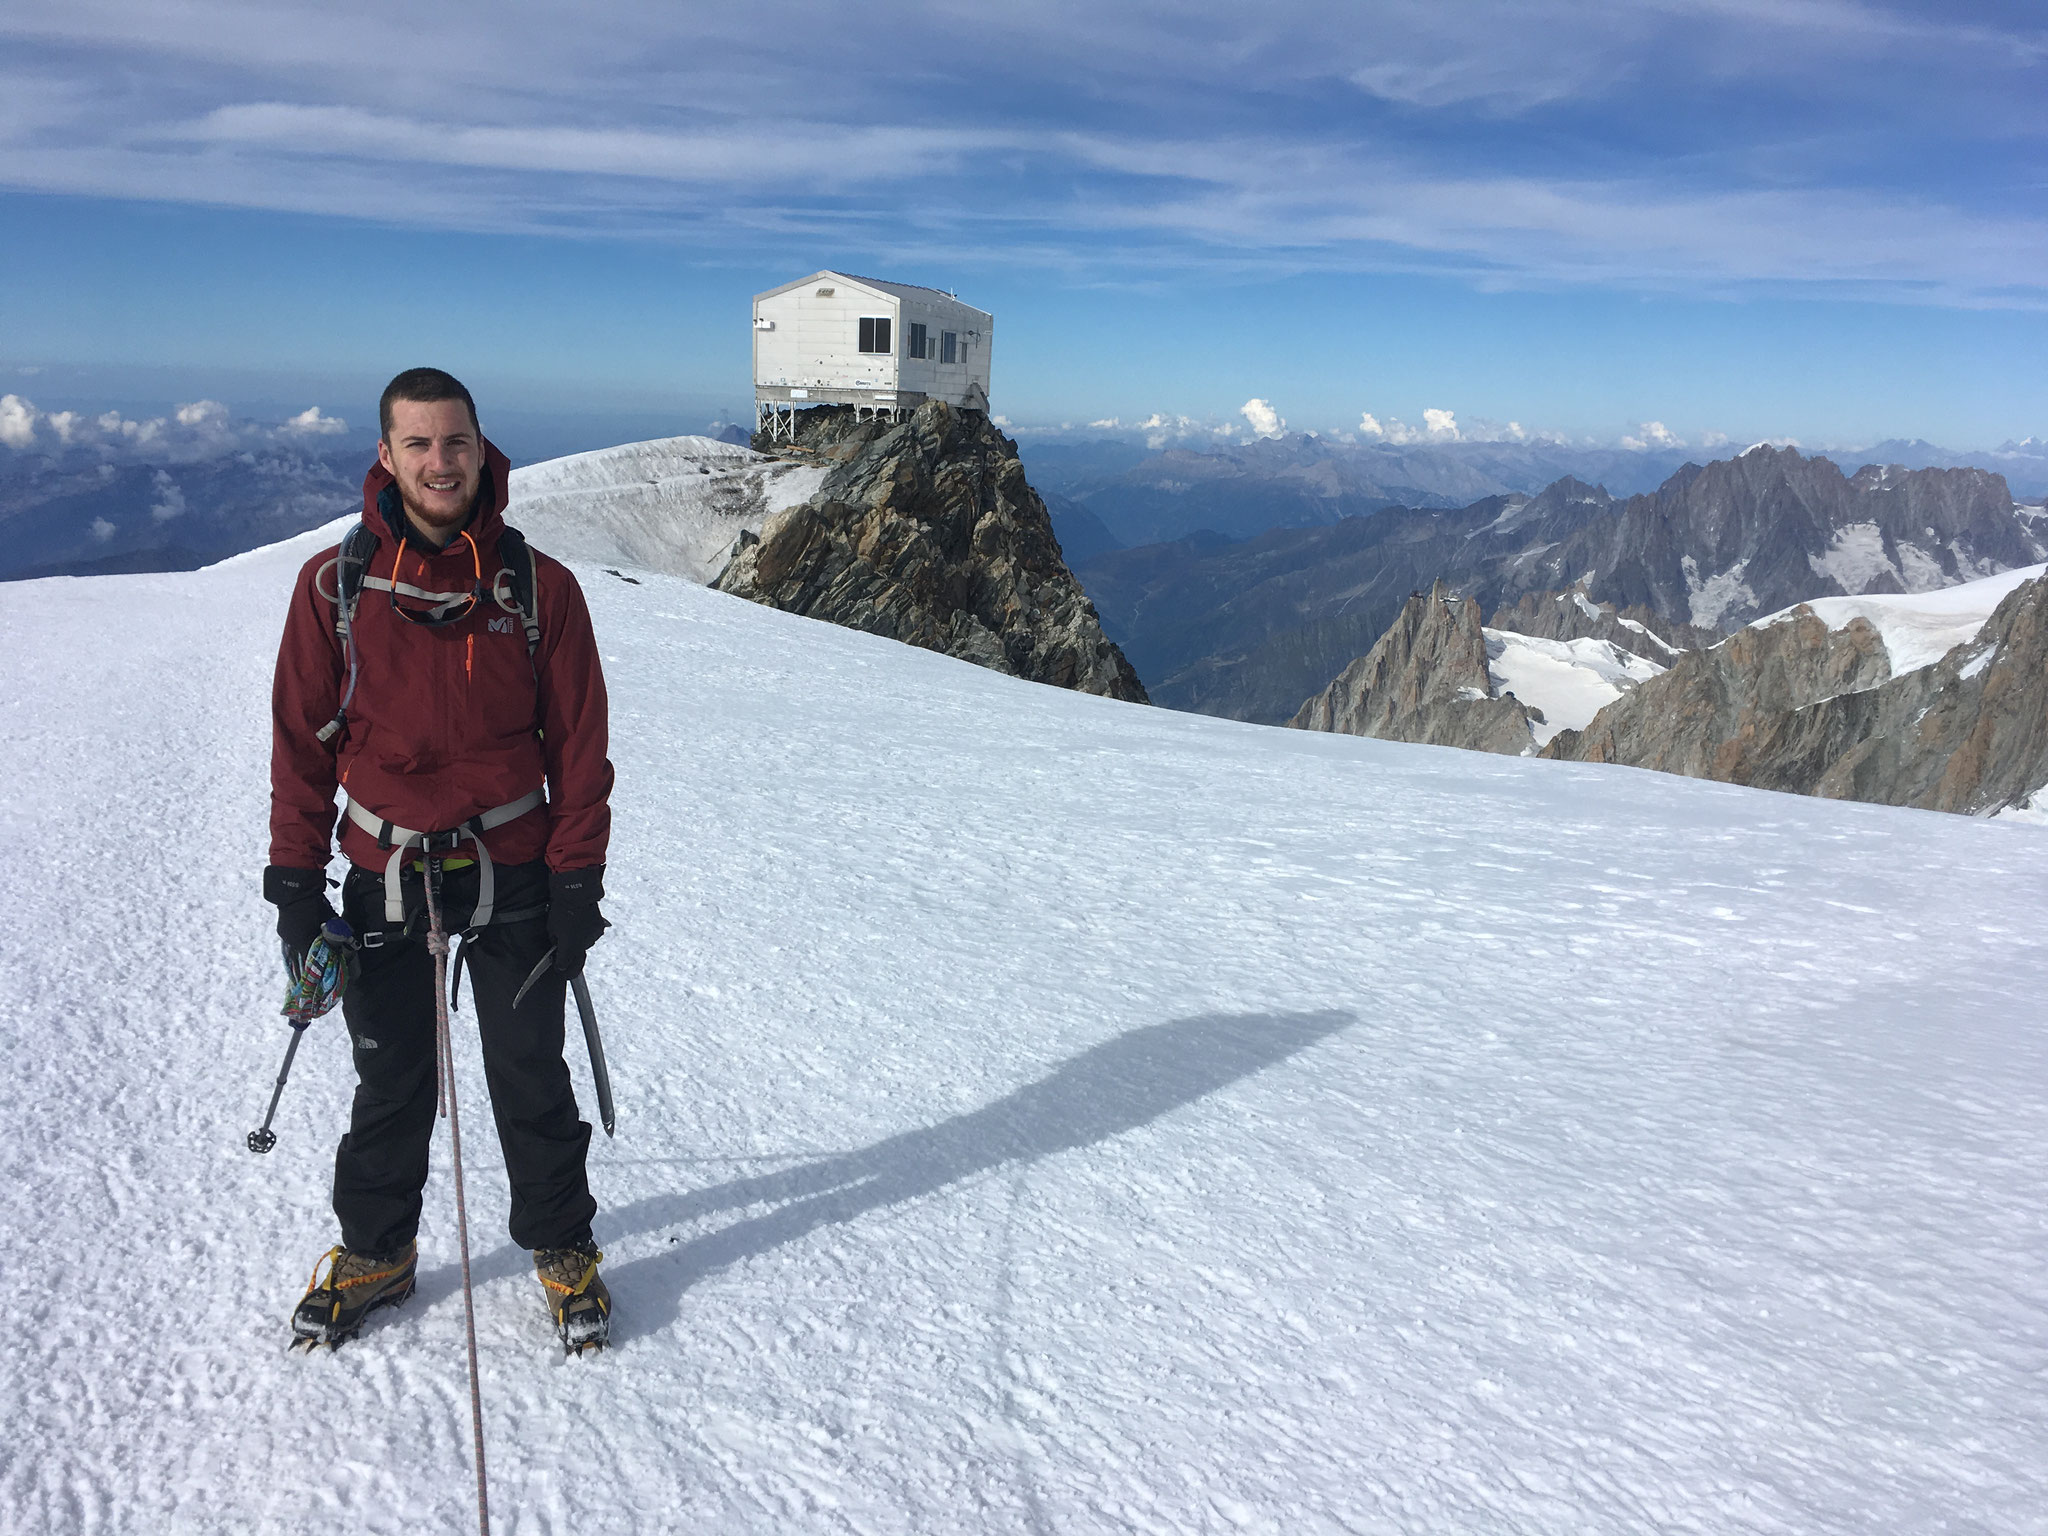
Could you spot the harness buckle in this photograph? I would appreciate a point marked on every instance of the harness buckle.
(441, 842)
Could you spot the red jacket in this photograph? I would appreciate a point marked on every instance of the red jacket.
(446, 722)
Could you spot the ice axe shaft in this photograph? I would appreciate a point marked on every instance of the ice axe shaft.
(599, 1073)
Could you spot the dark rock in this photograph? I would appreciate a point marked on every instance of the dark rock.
(1425, 681)
(1793, 707)
(1575, 616)
(1712, 714)
(925, 531)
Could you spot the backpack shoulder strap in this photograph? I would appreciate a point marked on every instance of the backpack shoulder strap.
(351, 563)
(515, 557)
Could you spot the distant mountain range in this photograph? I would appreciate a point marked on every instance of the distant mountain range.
(75, 513)
(84, 495)
(1937, 699)
(1143, 496)
(1250, 629)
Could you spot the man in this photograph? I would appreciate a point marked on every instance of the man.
(443, 722)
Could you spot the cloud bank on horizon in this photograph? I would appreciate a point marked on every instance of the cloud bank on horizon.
(192, 433)
(1839, 146)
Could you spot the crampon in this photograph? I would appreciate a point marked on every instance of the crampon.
(577, 1298)
(357, 1284)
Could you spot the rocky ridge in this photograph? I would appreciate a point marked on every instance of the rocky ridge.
(926, 531)
(1795, 706)
(1713, 714)
(1427, 681)
(1573, 615)
(1249, 629)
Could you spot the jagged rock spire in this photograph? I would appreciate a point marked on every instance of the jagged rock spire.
(926, 531)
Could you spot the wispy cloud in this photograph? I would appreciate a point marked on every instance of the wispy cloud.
(1671, 144)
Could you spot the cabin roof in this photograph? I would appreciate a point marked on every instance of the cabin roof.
(873, 284)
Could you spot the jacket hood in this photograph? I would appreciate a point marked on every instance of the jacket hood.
(386, 515)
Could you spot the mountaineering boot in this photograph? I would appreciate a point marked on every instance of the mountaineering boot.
(577, 1298)
(356, 1283)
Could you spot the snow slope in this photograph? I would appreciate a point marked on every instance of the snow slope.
(675, 504)
(1041, 1114)
(1922, 627)
(1571, 681)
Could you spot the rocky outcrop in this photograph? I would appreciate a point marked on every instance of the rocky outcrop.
(926, 532)
(1425, 681)
(1968, 734)
(1791, 706)
(1709, 714)
(1574, 615)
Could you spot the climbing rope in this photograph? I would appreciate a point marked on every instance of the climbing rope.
(437, 946)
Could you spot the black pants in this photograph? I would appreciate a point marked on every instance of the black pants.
(380, 1168)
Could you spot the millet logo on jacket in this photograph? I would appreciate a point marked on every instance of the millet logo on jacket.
(501, 626)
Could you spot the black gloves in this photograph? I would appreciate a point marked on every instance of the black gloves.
(300, 896)
(574, 923)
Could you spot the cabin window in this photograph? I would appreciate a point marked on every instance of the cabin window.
(949, 346)
(917, 347)
(874, 333)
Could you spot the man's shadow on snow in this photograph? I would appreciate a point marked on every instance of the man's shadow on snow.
(1108, 1089)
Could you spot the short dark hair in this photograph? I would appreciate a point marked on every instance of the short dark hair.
(422, 386)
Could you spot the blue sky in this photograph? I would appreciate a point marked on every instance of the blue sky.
(1824, 219)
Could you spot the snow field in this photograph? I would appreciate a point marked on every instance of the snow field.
(1040, 1114)
(675, 504)
(1571, 681)
(1922, 627)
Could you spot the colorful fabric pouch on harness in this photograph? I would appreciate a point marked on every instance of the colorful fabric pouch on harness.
(330, 961)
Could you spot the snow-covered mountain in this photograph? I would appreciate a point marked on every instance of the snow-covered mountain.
(1251, 629)
(86, 495)
(1932, 699)
(1301, 480)
(76, 509)
(676, 504)
(1041, 1114)
(1158, 492)
(1917, 628)
(1440, 677)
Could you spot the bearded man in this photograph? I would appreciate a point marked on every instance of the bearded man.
(467, 729)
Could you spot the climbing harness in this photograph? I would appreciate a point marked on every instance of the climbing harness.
(400, 840)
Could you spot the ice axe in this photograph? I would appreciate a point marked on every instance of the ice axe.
(606, 1114)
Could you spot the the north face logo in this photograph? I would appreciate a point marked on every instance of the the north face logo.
(501, 626)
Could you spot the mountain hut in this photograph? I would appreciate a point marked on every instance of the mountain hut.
(881, 347)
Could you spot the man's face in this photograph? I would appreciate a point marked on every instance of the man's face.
(434, 454)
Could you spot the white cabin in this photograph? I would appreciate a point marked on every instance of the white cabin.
(886, 348)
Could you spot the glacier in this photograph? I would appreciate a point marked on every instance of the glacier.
(1038, 1113)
